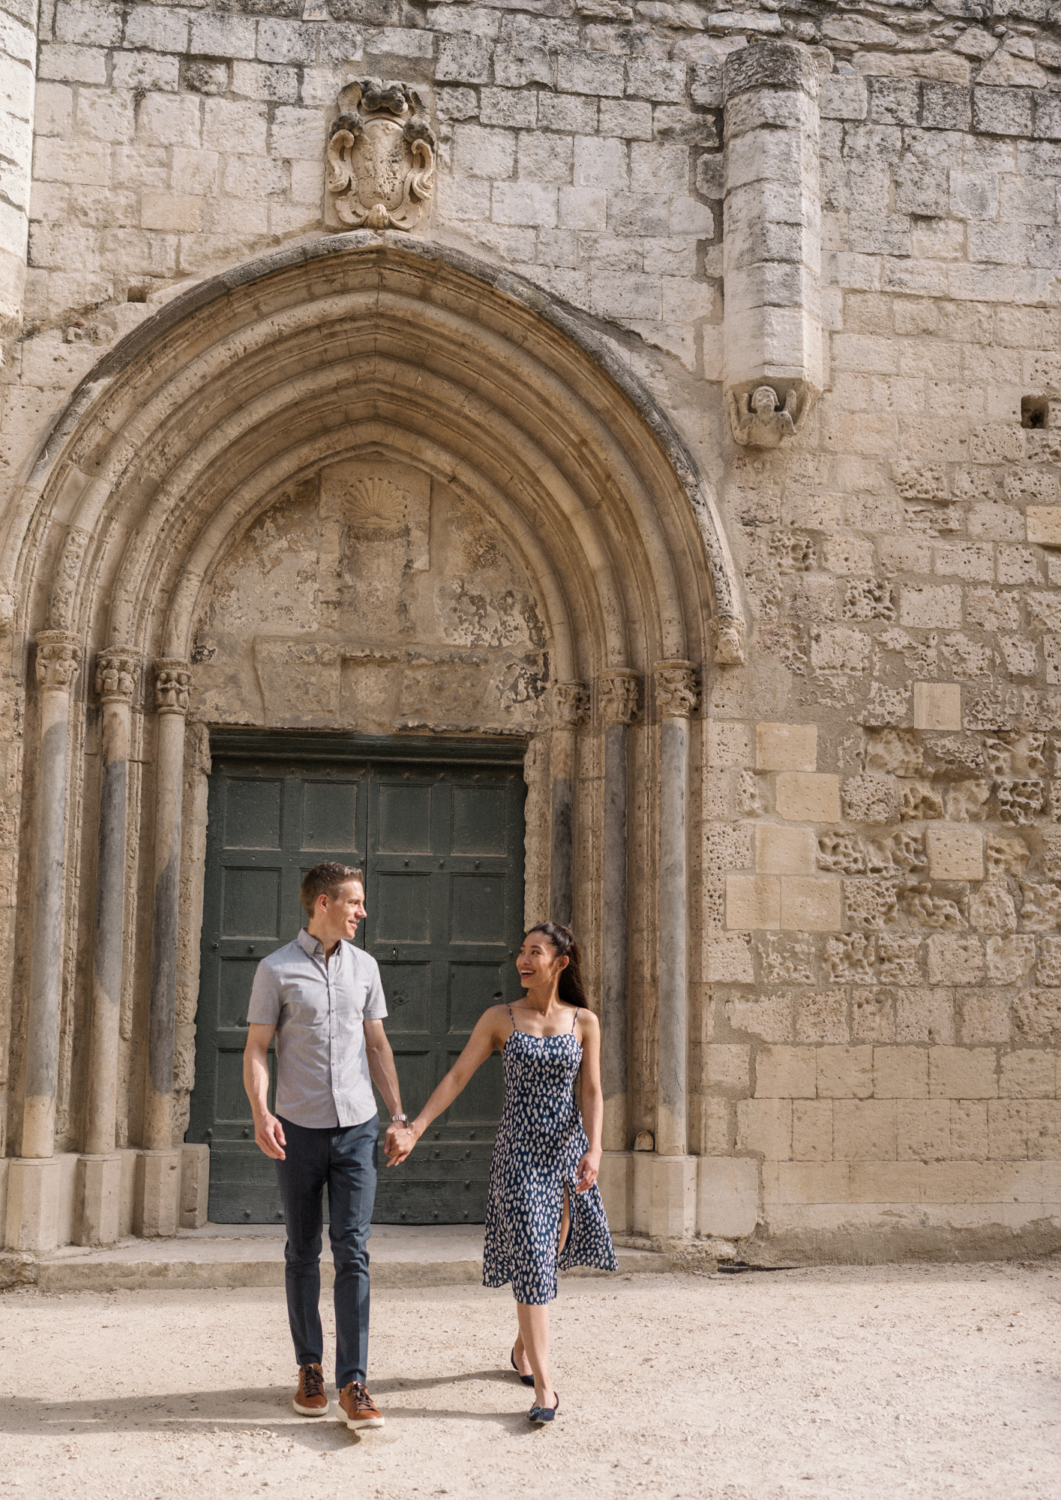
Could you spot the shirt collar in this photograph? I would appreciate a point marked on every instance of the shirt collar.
(310, 945)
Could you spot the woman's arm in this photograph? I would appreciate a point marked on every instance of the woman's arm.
(592, 1100)
(490, 1032)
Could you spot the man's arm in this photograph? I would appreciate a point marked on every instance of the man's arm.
(268, 1132)
(381, 1066)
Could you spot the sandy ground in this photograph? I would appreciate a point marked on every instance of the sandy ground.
(845, 1382)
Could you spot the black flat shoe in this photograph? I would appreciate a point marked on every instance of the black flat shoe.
(540, 1414)
(526, 1379)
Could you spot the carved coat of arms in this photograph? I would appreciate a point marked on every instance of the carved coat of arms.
(381, 157)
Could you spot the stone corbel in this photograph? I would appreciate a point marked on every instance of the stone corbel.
(763, 416)
(570, 704)
(728, 633)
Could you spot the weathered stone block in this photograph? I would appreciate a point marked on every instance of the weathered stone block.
(810, 904)
(844, 1072)
(812, 1130)
(937, 705)
(1044, 525)
(960, 1073)
(753, 901)
(785, 1073)
(765, 1125)
(727, 1196)
(808, 796)
(955, 852)
(1028, 1074)
(864, 1129)
(786, 747)
(781, 850)
(900, 1072)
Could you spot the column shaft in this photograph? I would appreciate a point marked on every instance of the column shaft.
(58, 656)
(172, 685)
(614, 940)
(571, 702)
(114, 682)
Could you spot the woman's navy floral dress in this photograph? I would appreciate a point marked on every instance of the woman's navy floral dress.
(539, 1145)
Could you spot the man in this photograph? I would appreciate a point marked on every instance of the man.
(323, 1000)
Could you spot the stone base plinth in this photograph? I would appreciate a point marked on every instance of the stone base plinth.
(98, 1204)
(727, 1196)
(664, 1196)
(156, 1195)
(195, 1186)
(616, 1183)
(33, 1193)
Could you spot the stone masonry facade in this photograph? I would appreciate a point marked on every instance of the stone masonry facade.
(865, 220)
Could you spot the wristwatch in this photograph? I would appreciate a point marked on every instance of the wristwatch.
(399, 1119)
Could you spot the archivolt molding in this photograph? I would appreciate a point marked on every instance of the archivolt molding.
(358, 343)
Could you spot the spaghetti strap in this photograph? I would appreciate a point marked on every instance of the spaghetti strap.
(511, 1017)
(574, 1023)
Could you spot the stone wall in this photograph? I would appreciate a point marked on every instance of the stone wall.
(875, 987)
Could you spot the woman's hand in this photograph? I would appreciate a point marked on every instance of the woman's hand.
(398, 1143)
(588, 1168)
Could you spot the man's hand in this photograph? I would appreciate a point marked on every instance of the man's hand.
(269, 1136)
(399, 1141)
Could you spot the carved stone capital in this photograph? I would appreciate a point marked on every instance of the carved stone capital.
(173, 683)
(58, 659)
(117, 670)
(618, 690)
(677, 690)
(729, 641)
(570, 704)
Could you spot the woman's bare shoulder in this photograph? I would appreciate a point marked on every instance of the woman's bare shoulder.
(588, 1022)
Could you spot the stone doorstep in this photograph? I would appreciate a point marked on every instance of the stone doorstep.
(227, 1256)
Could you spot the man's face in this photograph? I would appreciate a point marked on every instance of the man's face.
(341, 914)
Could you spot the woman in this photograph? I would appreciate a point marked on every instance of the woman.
(544, 1208)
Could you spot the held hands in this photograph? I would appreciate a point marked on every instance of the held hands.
(398, 1142)
(588, 1168)
(269, 1137)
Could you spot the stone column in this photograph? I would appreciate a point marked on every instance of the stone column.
(571, 705)
(158, 1165)
(665, 1198)
(617, 695)
(99, 1169)
(32, 1207)
(771, 247)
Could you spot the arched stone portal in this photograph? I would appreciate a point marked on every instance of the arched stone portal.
(374, 387)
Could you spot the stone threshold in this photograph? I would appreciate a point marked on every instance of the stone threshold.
(223, 1256)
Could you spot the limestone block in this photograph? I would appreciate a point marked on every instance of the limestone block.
(984, 1015)
(195, 1186)
(753, 901)
(806, 796)
(955, 958)
(1044, 525)
(33, 1192)
(1028, 1074)
(727, 743)
(928, 606)
(900, 1073)
(821, 1015)
(780, 850)
(962, 1073)
(97, 1214)
(728, 958)
(923, 1129)
(664, 1196)
(727, 1196)
(616, 1183)
(785, 1073)
(937, 705)
(844, 1072)
(812, 1130)
(813, 1182)
(955, 852)
(727, 1067)
(810, 904)
(865, 1129)
(156, 1206)
(786, 747)
(765, 1125)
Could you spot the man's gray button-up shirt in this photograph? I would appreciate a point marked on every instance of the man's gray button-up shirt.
(318, 1007)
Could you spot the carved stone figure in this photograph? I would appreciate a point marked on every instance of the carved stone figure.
(760, 420)
(617, 695)
(58, 658)
(677, 692)
(729, 641)
(381, 157)
(116, 672)
(571, 700)
(173, 683)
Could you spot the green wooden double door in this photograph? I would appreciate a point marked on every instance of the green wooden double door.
(441, 844)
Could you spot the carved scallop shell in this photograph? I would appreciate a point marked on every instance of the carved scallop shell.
(375, 501)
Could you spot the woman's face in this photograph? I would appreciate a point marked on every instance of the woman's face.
(538, 963)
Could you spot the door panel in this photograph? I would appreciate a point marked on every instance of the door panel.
(442, 849)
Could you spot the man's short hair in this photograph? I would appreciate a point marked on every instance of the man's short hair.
(325, 880)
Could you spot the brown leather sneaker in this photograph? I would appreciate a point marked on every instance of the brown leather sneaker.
(310, 1400)
(356, 1407)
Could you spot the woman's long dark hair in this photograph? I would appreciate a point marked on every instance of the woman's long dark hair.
(566, 945)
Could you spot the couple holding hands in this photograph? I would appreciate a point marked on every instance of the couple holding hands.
(323, 1000)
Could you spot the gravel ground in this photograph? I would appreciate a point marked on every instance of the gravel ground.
(832, 1382)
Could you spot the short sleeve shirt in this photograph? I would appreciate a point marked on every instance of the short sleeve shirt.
(319, 1008)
